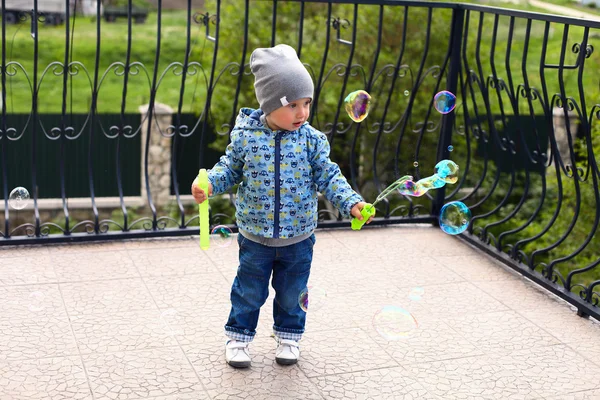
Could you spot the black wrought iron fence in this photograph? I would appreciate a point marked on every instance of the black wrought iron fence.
(523, 132)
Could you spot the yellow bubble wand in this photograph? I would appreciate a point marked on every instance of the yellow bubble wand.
(203, 210)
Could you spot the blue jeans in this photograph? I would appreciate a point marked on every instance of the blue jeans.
(291, 267)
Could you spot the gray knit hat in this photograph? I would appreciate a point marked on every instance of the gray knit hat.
(280, 77)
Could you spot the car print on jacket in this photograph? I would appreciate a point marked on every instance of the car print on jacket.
(279, 174)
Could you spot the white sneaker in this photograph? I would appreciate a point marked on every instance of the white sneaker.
(288, 352)
(237, 354)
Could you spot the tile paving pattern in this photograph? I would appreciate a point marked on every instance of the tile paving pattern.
(143, 319)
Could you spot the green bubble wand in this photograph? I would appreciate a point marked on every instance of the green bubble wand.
(203, 210)
(446, 171)
(368, 210)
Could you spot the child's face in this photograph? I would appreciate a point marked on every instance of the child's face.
(290, 117)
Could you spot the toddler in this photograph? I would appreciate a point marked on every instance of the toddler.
(279, 162)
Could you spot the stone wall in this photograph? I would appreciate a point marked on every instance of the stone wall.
(159, 154)
(561, 134)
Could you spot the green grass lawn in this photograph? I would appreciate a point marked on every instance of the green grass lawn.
(113, 50)
(112, 55)
(525, 6)
(575, 4)
(525, 65)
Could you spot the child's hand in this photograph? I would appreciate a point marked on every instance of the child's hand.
(198, 193)
(356, 211)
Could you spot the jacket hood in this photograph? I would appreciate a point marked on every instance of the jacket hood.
(249, 118)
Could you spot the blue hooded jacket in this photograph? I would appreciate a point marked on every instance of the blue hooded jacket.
(279, 174)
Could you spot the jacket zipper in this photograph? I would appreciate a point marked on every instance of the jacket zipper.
(277, 186)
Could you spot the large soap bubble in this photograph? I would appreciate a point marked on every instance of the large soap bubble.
(357, 105)
(394, 323)
(455, 217)
(317, 296)
(18, 198)
(221, 236)
(447, 170)
(444, 101)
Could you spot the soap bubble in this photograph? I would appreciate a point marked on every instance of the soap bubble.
(431, 182)
(406, 93)
(317, 298)
(410, 188)
(357, 105)
(221, 236)
(171, 322)
(416, 293)
(394, 323)
(450, 148)
(36, 301)
(447, 170)
(303, 300)
(416, 164)
(18, 198)
(455, 217)
(444, 101)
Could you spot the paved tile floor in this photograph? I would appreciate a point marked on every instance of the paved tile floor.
(143, 319)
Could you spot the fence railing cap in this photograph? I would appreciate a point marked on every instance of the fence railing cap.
(159, 109)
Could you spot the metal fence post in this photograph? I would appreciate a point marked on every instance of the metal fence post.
(456, 36)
